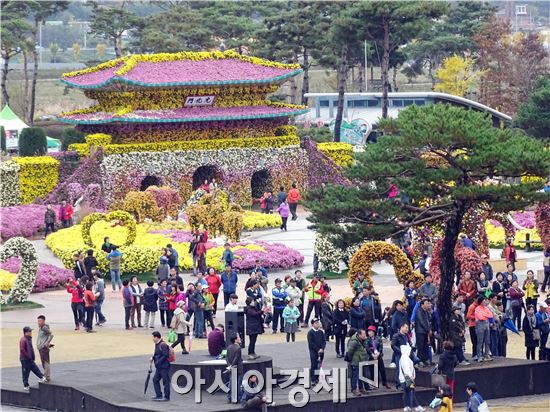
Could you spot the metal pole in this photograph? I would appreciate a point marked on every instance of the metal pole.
(40, 41)
(366, 71)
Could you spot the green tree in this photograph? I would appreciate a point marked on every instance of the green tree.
(174, 30)
(69, 136)
(54, 49)
(33, 142)
(471, 150)
(394, 24)
(110, 23)
(296, 34)
(37, 12)
(14, 30)
(534, 115)
(451, 34)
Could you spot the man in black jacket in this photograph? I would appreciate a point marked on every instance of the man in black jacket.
(316, 344)
(399, 339)
(423, 327)
(234, 359)
(162, 366)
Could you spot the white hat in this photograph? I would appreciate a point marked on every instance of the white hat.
(543, 305)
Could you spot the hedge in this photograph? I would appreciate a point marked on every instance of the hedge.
(33, 142)
(9, 184)
(341, 153)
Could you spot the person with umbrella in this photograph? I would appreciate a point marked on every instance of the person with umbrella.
(162, 366)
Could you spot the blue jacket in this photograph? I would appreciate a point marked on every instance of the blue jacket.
(357, 318)
(229, 283)
(398, 318)
(114, 253)
(262, 270)
(127, 296)
(228, 257)
(411, 296)
(161, 355)
(279, 296)
(281, 197)
(543, 327)
(174, 253)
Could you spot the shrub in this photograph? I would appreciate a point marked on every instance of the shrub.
(33, 142)
(142, 206)
(318, 134)
(2, 139)
(168, 200)
(232, 225)
(69, 136)
(341, 153)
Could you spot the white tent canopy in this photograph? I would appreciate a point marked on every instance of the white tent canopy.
(13, 126)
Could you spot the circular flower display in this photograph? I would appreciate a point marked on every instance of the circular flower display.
(118, 215)
(370, 252)
(24, 249)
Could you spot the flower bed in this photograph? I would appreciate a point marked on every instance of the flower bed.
(47, 277)
(37, 177)
(23, 220)
(143, 255)
(255, 220)
(9, 184)
(184, 68)
(341, 153)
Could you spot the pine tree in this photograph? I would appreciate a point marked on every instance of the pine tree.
(474, 157)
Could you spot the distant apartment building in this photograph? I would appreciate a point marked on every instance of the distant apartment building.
(519, 15)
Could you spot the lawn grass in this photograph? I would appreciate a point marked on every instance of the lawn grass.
(20, 306)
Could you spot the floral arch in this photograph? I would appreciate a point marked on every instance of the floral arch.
(370, 252)
(24, 250)
(468, 259)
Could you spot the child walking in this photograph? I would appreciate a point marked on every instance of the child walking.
(291, 314)
(284, 211)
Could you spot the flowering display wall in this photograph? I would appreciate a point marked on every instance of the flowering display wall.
(9, 184)
(37, 177)
(124, 172)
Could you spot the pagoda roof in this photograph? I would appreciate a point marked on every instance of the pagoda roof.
(193, 114)
(181, 69)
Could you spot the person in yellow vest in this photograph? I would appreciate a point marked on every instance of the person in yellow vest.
(313, 290)
(531, 288)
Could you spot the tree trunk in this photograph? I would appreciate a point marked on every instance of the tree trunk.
(32, 99)
(371, 74)
(117, 42)
(385, 68)
(394, 80)
(26, 92)
(5, 68)
(305, 82)
(293, 84)
(431, 74)
(444, 301)
(342, 77)
(362, 75)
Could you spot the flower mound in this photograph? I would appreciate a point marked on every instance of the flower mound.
(20, 247)
(24, 220)
(144, 254)
(371, 252)
(37, 177)
(119, 216)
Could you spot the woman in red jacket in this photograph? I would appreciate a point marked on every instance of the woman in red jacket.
(89, 303)
(65, 214)
(77, 292)
(516, 302)
(293, 199)
(214, 283)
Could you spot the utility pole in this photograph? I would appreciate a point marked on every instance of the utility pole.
(366, 74)
(40, 41)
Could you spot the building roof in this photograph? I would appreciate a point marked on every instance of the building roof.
(192, 114)
(182, 69)
(375, 113)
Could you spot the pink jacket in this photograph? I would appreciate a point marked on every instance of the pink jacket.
(483, 313)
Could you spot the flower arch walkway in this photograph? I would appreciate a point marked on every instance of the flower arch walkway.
(371, 252)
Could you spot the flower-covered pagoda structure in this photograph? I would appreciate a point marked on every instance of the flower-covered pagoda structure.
(177, 119)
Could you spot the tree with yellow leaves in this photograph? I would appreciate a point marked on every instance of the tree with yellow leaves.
(456, 76)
